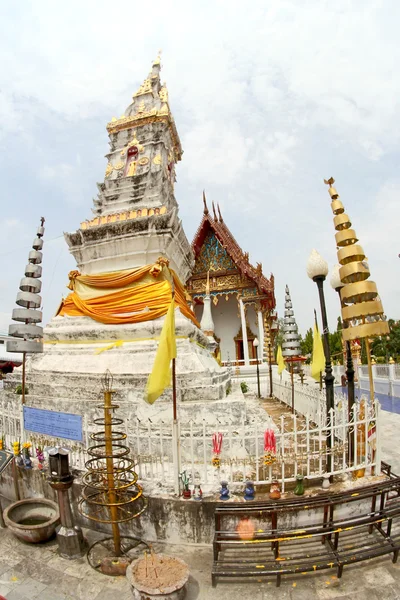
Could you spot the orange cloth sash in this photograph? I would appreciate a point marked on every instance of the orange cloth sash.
(132, 302)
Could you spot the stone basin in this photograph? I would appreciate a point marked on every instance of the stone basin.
(167, 577)
(33, 520)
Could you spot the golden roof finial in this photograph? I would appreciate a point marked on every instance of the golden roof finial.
(157, 61)
(329, 181)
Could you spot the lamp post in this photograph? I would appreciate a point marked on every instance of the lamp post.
(317, 270)
(256, 344)
(337, 285)
(271, 337)
(269, 346)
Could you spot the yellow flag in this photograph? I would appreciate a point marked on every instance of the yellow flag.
(160, 377)
(318, 355)
(279, 360)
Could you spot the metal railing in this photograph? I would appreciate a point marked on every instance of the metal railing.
(300, 444)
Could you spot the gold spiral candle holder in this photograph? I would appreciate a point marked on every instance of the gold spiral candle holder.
(111, 493)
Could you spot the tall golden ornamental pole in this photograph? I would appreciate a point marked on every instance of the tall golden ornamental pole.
(362, 310)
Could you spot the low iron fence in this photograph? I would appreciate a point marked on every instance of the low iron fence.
(300, 446)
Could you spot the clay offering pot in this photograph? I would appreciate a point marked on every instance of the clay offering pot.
(275, 490)
(33, 520)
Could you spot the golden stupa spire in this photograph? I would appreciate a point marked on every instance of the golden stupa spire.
(362, 310)
(157, 61)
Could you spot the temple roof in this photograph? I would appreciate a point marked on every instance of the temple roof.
(217, 225)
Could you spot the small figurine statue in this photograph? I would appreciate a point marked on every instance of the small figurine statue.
(299, 489)
(275, 490)
(224, 492)
(325, 482)
(249, 491)
(197, 492)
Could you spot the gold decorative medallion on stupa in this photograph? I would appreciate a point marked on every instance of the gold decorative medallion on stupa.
(362, 310)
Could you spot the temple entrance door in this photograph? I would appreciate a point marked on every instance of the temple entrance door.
(252, 350)
(240, 351)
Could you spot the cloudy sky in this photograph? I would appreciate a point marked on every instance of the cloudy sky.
(269, 99)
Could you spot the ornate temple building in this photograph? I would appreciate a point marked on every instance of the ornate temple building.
(242, 299)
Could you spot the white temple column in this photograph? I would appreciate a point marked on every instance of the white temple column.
(244, 332)
(260, 335)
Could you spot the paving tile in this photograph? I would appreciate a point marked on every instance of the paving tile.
(29, 588)
(4, 567)
(13, 577)
(4, 589)
(66, 584)
(10, 557)
(50, 593)
(79, 569)
(58, 563)
(117, 583)
(106, 594)
(379, 576)
(15, 595)
(338, 594)
(85, 589)
(36, 570)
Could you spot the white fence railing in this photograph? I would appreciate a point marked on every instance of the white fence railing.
(301, 444)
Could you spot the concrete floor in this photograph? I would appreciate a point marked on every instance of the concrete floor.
(29, 572)
(36, 573)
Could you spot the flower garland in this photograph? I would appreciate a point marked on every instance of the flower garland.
(217, 447)
(269, 447)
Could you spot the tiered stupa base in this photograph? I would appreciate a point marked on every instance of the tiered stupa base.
(78, 350)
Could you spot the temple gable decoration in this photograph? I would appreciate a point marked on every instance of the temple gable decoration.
(237, 296)
(231, 272)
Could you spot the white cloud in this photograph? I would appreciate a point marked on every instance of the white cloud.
(268, 98)
(5, 320)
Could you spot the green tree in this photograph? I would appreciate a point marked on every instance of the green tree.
(335, 342)
(279, 336)
(307, 343)
(388, 345)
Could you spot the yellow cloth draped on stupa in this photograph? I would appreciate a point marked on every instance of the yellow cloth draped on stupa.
(129, 296)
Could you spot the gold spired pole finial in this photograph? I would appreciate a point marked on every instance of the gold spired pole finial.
(332, 191)
(157, 61)
(362, 310)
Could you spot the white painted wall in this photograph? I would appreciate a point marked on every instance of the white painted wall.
(226, 322)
